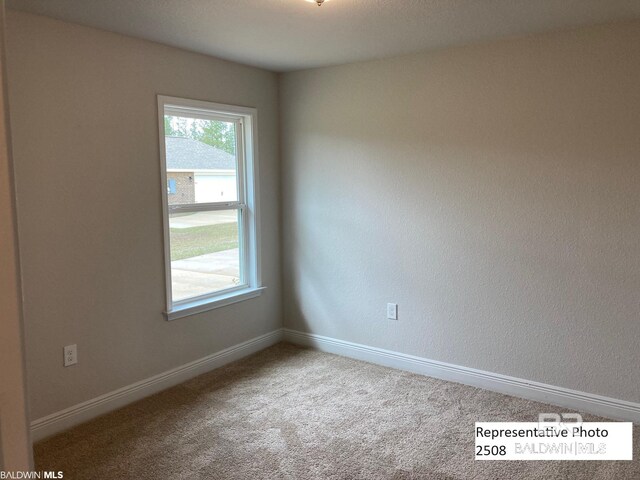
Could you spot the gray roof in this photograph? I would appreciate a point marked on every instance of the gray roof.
(189, 155)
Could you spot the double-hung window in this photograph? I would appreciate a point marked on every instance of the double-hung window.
(209, 190)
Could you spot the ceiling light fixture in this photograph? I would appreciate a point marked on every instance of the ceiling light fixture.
(318, 2)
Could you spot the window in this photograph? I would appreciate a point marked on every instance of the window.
(209, 172)
(171, 188)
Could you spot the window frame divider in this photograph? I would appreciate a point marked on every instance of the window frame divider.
(205, 207)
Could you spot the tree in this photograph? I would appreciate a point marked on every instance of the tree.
(216, 133)
(168, 128)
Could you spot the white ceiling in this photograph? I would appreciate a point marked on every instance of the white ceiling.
(287, 35)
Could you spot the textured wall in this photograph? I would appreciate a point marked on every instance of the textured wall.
(85, 134)
(491, 191)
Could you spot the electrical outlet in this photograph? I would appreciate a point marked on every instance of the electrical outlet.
(70, 355)
(392, 311)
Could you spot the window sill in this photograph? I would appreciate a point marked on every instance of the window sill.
(199, 306)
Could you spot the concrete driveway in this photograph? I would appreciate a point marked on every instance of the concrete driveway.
(202, 219)
(206, 273)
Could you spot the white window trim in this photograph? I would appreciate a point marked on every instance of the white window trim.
(251, 235)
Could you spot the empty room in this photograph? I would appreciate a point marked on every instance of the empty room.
(320, 239)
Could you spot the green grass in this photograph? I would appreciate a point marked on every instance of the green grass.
(194, 241)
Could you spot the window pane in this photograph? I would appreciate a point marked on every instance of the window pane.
(201, 160)
(205, 256)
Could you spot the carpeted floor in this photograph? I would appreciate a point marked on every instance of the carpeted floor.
(293, 413)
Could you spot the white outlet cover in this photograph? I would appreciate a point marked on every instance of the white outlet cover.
(70, 355)
(392, 311)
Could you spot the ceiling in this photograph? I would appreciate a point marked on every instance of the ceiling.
(285, 35)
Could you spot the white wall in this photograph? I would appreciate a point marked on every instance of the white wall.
(15, 444)
(84, 107)
(490, 190)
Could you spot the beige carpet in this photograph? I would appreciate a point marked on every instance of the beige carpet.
(293, 413)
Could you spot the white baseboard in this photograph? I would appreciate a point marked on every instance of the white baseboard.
(517, 387)
(571, 399)
(67, 418)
